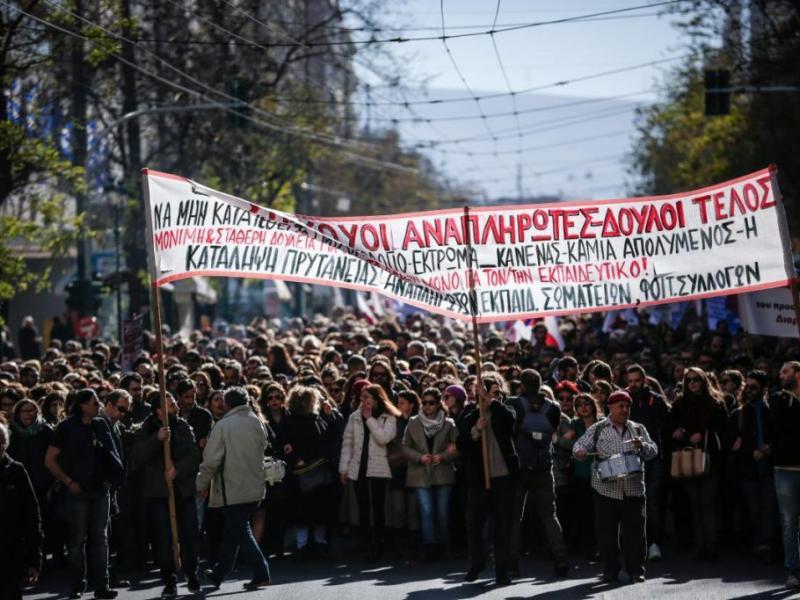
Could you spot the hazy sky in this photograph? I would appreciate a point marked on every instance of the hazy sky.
(532, 57)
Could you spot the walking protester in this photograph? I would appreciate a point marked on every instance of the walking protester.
(619, 503)
(785, 417)
(651, 410)
(147, 458)
(232, 476)
(83, 457)
(273, 399)
(498, 501)
(699, 419)
(363, 461)
(752, 450)
(537, 420)
(116, 406)
(455, 398)
(588, 413)
(429, 444)
(402, 510)
(21, 527)
(31, 436)
(563, 440)
(307, 447)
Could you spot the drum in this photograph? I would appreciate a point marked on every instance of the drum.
(619, 466)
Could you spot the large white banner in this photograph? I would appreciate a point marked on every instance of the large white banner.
(523, 261)
(769, 312)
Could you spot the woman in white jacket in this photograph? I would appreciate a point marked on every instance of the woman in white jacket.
(363, 460)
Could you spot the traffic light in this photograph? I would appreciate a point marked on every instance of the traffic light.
(84, 296)
(718, 93)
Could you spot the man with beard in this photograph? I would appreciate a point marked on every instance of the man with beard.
(785, 416)
(651, 410)
(147, 458)
(752, 449)
(140, 410)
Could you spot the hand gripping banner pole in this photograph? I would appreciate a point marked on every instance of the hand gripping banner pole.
(481, 391)
(162, 384)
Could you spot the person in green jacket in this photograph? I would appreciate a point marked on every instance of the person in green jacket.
(147, 458)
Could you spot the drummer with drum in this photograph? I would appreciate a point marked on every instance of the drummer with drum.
(620, 447)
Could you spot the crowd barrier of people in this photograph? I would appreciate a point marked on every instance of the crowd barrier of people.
(300, 439)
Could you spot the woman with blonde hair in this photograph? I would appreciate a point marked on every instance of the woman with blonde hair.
(308, 448)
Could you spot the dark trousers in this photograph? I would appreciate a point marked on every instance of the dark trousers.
(238, 534)
(584, 517)
(498, 501)
(702, 492)
(371, 495)
(626, 517)
(654, 474)
(186, 514)
(536, 491)
(762, 506)
(88, 522)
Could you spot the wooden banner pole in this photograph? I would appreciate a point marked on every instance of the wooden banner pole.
(164, 415)
(476, 341)
(162, 383)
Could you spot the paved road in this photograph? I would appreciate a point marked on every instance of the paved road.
(730, 578)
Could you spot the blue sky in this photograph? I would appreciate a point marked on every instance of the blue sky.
(555, 161)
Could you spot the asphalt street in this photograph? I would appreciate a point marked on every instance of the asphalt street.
(730, 578)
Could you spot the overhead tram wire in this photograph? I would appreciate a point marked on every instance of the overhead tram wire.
(536, 127)
(261, 23)
(536, 148)
(445, 37)
(493, 95)
(461, 76)
(346, 146)
(505, 75)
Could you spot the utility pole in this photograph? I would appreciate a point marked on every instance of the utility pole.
(520, 193)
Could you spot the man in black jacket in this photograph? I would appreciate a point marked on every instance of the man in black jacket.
(147, 459)
(503, 470)
(651, 410)
(83, 457)
(785, 416)
(20, 527)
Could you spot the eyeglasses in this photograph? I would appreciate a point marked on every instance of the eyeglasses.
(430, 402)
(694, 380)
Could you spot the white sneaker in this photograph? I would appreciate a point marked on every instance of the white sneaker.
(654, 552)
(792, 581)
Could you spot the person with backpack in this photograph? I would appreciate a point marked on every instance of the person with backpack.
(537, 421)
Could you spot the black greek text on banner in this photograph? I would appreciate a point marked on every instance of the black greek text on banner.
(524, 261)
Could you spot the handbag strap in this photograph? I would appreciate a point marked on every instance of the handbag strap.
(705, 443)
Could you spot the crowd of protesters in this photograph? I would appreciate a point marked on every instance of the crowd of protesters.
(386, 450)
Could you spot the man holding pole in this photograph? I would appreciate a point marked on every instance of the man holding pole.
(147, 458)
(498, 498)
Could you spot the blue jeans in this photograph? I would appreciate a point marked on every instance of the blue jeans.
(88, 520)
(236, 534)
(787, 488)
(433, 519)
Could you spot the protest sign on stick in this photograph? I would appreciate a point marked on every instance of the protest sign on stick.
(524, 261)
